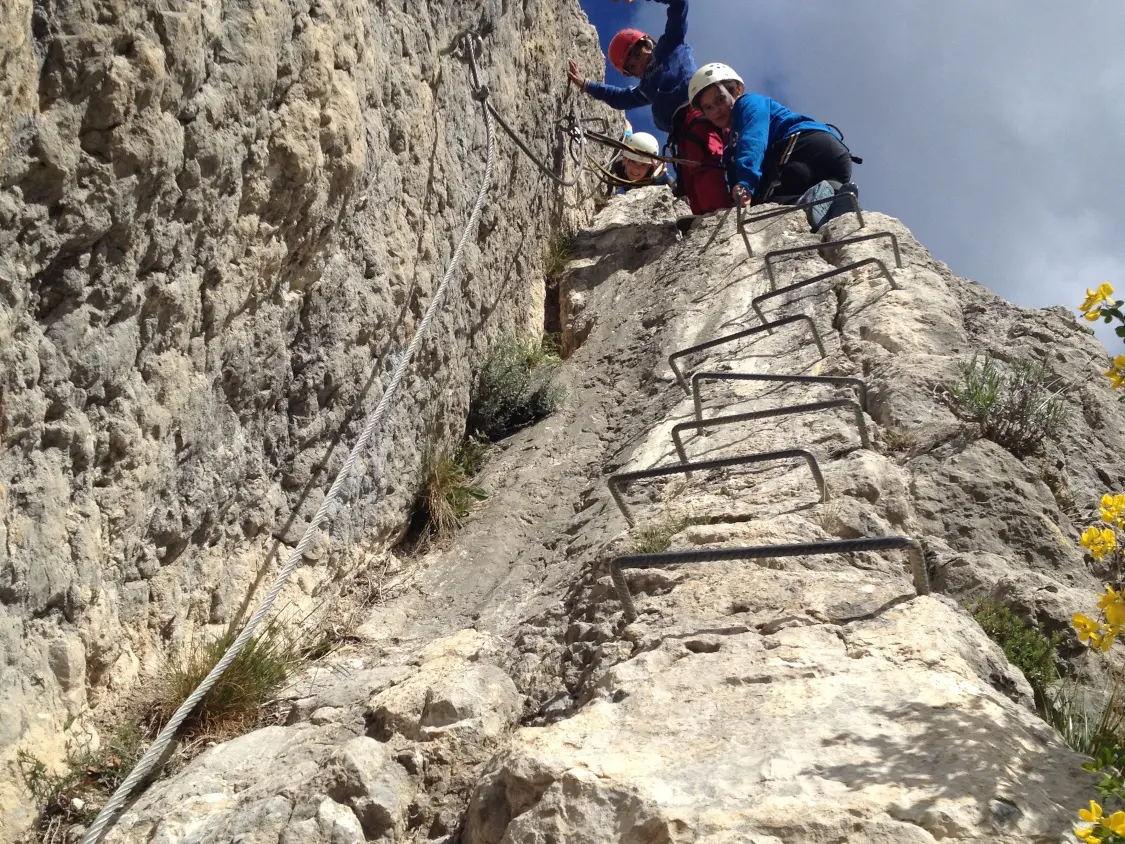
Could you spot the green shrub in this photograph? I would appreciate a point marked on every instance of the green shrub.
(510, 393)
(1028, 649)
(1016, 409)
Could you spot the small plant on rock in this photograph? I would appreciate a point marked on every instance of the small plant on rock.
(1028, 649)
(449, 495)
(655, 538)
(517, 387)
(1016, 409)
(92, 774)
(560, 249)
(235, 704)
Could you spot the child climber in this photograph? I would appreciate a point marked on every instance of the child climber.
(664, 68)
(773, 154)
(637, 168)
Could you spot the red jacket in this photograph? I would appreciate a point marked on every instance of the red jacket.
(698, 139)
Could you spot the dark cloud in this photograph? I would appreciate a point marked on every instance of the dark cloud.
(996, 131)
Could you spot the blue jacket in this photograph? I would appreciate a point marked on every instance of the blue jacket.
(757, 122)
(665, 83)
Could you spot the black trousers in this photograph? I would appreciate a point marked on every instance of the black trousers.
(815, 157)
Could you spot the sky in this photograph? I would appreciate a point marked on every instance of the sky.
(994, 130)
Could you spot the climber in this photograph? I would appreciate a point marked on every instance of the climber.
(638, 168)
(774, 154)
(664, 68)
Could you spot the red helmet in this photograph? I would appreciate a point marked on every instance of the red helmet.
(622, 43)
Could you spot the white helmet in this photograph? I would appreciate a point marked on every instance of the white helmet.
(642, 142)
(708, 75)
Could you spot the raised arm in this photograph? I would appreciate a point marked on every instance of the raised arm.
(751, 120)
(613, 96)
(675, 30)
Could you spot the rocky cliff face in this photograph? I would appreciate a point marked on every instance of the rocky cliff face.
(500, 696)
(216, 221)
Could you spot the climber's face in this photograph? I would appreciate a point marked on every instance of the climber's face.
(717, 101)
(636, 170)
(636, 63)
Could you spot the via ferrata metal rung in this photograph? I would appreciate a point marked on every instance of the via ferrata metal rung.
(744, 221)
(620, 481)
(756, 302)
(738, 335)
(788, 410)
(698, 378)
(914, 549)
(848, 241)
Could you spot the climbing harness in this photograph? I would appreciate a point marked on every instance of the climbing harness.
(781, 162)
(914, 549)
(373, 423)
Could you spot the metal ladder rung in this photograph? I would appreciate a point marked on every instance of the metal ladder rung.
(788, 410)
(698, 378)
(790, 209)
(914, 548)
(848, 241)
(619, 481)
(756, 302)
(738, 335)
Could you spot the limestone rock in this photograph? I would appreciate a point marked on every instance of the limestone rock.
(218, 223)
(454, 690)
(868, 731)
(265, 788)
(811, 697)
(363, 776)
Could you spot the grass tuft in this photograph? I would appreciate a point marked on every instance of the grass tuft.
(1090, 730)
(449, 495)
(655, 538)
(235, 703)
(1031, 651)
(560, 251)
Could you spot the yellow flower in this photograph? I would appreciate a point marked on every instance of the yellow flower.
(1113, 506)
(1115, 823)
(1115, 616)
(1098, 541)
(1094, 297)
(1106, 641)
(1093, 315)
(1091, 815)
(1089, 631)
(1116, 372)
(1087, 835)
(1112, 605)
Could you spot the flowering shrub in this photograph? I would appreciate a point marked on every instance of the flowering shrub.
(1105, 829)
(1099, 304)
(1104, 543)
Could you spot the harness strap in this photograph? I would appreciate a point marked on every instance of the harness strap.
(781, 162)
